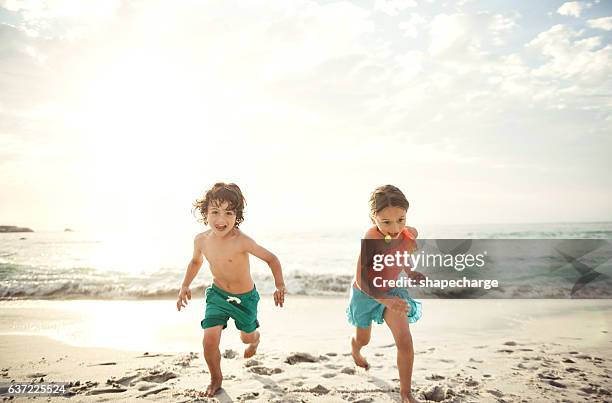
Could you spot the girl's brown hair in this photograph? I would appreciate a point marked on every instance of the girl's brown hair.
(387, 196)
(218, 194)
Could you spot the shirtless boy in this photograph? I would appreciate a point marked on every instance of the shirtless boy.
(233, 293)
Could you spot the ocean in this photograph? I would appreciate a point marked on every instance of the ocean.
(74, 265)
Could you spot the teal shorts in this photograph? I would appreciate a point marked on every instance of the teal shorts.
(222, 305)
(363, 309)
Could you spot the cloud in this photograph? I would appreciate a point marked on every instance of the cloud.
(413, 25)
(604, 23)
(393, 7)
(570, 56)
(459, 34)
(571, 8)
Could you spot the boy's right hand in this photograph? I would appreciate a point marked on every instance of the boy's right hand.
(396, 305)
(184, 295)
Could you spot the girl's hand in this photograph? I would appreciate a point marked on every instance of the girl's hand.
(279, 295)
(416, 276)
(183, 297)
(396, 305)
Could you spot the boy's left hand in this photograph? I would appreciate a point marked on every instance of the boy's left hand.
(279, 295)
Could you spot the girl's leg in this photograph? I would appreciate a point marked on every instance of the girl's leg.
(252, 339)
(398, 323)
(361, 338)
(212, 338)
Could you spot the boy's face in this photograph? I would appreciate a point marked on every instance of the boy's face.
(390, 221)
(220, 219)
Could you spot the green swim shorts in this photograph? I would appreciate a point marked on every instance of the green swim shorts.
(222, 305)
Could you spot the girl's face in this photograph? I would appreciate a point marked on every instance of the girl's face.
(390, 221)
(220, 219)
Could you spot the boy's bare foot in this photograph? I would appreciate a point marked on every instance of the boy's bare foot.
(213, 387)
(252, 348)
(360, 361)
(408, 398)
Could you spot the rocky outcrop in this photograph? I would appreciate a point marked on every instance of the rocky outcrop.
(12, 228)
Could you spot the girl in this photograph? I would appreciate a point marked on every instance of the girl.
(388, 207)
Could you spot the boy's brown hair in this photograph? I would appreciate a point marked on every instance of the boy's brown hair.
(217, 195)
(387, 196)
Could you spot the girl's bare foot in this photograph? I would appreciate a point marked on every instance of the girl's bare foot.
(252, 348)
(213, 387)
(360, 361)
(408, 398)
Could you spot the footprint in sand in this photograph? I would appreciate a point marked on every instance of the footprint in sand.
(142, 386)
(300, 357)
(329, 375)
(73, 388)
(436, 393)
(260, 370)
(106, 390)
(158, 376)
(348, 371)
(549, 375)
(248, 396)
(124, 380)
(557, 384)
(495, 392)
(154, 391)
(252, 363)
(185, 360)
(230, 354)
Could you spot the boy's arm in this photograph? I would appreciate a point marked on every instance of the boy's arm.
(192, 270)
(277, 272)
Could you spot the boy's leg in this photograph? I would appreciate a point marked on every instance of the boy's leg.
(398, 323)
(252, 339)
(361, 338)
(212, 338)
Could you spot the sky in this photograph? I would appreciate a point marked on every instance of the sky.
(117, 115)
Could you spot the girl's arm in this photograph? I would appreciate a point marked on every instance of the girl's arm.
(395, 304)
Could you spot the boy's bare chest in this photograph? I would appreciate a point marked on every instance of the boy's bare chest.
(224, 253)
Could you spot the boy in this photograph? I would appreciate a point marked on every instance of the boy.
(233, 293)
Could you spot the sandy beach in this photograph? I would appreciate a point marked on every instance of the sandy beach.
(465, 351)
